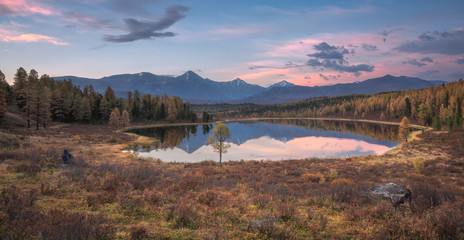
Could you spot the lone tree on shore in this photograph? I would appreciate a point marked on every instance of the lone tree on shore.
(403, 130)
(220, 133)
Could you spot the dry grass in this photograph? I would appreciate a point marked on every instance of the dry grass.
(295, 199)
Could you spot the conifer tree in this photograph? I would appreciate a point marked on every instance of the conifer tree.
(31, 96)
(20, 90)
(85, 111)
(3, 107)
(8, 92)
(403, 130)
(125, 119)
(115, 118)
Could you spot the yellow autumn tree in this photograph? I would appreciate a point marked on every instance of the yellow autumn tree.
(403, 130)
(115, 118)
(220, 134)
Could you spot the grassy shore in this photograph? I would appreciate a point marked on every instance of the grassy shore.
(108, 194)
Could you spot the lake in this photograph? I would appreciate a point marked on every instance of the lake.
(269, 140)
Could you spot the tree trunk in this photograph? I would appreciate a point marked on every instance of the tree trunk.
(38, 111)
(220, 157)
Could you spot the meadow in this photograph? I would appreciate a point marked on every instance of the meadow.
(108, 194)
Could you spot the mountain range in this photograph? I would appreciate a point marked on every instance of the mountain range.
(192, 87)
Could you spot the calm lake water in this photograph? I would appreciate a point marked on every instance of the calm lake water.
(270, 140)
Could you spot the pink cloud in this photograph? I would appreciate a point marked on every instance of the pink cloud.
(31, 37)
(26, 7)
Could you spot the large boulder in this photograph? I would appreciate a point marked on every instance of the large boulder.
(396, 193)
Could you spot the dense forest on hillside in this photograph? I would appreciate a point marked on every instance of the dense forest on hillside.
(431, 106)
(44, 99)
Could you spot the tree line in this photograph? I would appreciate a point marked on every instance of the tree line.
(433, 106)
(44, 99)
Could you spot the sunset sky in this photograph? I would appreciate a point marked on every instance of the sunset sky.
(263, 42)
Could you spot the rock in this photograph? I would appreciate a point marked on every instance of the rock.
(396, 193)
(21, 175)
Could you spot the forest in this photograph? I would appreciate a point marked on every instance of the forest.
(434, 106)
(44, 99)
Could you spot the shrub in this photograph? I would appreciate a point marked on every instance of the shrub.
(286, 211)
(184, 214)
(333, 174)
(138, 232)
(447, 222)
(418, 164)
(312, 177)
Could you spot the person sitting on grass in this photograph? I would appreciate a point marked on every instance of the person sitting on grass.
(67, 157)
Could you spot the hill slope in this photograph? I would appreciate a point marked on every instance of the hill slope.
(194, 88)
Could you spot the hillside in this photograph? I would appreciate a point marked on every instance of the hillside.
(196, 89)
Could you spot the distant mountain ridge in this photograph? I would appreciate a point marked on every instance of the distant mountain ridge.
(192, 87)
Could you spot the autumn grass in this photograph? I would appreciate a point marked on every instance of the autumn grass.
(129, 198)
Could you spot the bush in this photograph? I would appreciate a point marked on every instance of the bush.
(20, 220)
(447, 222)
(184, 214)
(27, 168)
(418, 164)
(312, 177)
(138, 232)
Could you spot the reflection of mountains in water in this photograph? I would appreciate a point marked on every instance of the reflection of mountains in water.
(247, 130)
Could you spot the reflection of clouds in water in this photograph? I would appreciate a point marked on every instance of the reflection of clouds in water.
(271, 149)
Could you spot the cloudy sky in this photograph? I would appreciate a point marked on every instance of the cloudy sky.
(263, 42)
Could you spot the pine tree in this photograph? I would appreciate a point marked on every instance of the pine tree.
(3, 107)
(125, 119)
(45, 109)
(115, 118)
(85, 111)
(39, 103)
(403, 130)
(32, 93)
(21, 91)
(8, 92)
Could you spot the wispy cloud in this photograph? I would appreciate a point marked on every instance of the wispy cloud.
(446, 43)
(88, 20)
(23, 8)
(31, 37)
(138, 30)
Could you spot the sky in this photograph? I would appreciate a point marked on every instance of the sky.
(262, 42)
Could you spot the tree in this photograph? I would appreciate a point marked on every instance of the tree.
(115, 118)
(21, 92)
(2, 102)
(403, 130)
(407, 111)
(6, 88)
(424, 112)
(125, 119)
(85, 110)
(220, 134)
(436, 124)
(32, 97)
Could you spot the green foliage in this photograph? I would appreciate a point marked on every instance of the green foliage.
(436, 124)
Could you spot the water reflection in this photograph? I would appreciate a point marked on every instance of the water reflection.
(271, 139)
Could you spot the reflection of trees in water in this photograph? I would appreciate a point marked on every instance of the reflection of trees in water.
(372, 130)
(169, 137)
